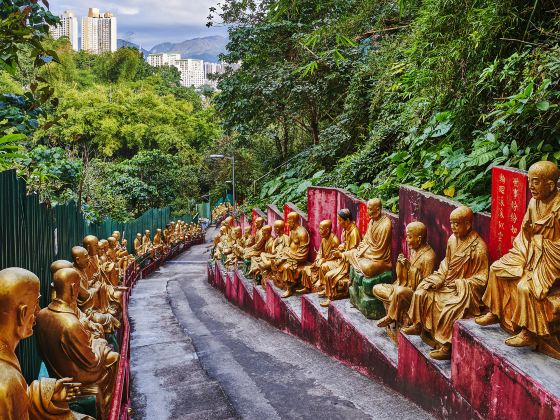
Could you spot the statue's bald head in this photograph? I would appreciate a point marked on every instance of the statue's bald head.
(19, 294)
(267, 230)
(462, 213)
(259, 222)
(80, 257)
(66, 282)
(325, 228)
(543, 179)
(112, 241)
(416, 233)
(278, 226)
(293, 220)
(237, 232)
(90, 243)
(248, 230)
(59, 264)
(374, 208)
(461, 221)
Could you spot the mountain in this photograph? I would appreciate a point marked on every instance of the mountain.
(206, 48)
(121, 43)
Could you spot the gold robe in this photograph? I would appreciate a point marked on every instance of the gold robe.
(459, 284)
(68, 349)
(522, 287)
(293, 257)
(375, 246)
(20, 402)
(258, 247)
(397, 296)
(335, 274)
(310, 274)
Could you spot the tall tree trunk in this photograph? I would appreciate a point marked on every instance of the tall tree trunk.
(286, 141)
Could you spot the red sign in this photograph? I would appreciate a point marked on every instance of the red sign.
(509, 202)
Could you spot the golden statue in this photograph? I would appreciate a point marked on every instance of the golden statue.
(523, 292)
(248, 238)
(158, 242)
(106, 264)
(147, 244)
(219, 242)
(410, 272)
(262, 265)
(455, 290)
(310, 274)
(138, 248)
(67, 348)
(334, 275)
(260, 241)
(235, 251)
(46, 399)
(288, 264)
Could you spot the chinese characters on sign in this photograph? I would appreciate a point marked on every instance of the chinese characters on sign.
(509, 201)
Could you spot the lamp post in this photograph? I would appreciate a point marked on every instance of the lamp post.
(232, 158)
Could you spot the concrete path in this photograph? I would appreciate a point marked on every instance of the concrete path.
(196, 356)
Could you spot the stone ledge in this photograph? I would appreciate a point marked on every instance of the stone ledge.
(314, 322)
(427, 381)
(244, 292)
(284, 314)
(502, 381)
(358, 342)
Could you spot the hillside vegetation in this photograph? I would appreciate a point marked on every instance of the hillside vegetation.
(377, 93)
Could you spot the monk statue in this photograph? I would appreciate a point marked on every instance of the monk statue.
(46, 399)
(158, 242)
(262, 265)
(523, 292)
(410, 272)
(248, 238)
(455, 290)
(310, 274)
(67, 348)
(147, 247)
(335, 274)
(289, 263)
(219, 243)
(138, 248)
(235, 252)
(260, 241)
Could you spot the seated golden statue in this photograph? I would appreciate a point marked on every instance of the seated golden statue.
(310, 274)
(46, 399)
(262, 265)
(138, 248)
(67, 348)
(334, 275)
(158, 243)
(219, 243)
(106, 264)
(248, 238)
(455, 290)
(147, 247)
(260, 241)
(397, 296)
(235, 251)
(287, 265)
(523, 292)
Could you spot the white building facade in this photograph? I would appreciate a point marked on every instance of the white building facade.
(99, 32)
(68, 27)
(192, 72)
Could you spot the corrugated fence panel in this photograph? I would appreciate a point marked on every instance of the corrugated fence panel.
(32, 236)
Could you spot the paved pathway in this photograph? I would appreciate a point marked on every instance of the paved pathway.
(196, 356)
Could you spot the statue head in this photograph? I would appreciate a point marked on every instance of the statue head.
(124, 243)
(415, 235)
(374, 208)
(229, 221)
(112, 242)
(66, 283)
(158, 231)
(279, 227)
(19, 304)
(293, 220)
(259, 222)
(103, 245)
(59, 264)
(267, 231)
(80, 257)
(117, 235)
(237, 232)
(147, 233)
(91, 243)
(248, 231)
(344, 218)
(543, 179)
(325, 228)
(461, 220)
(223, 230)
(139, 236)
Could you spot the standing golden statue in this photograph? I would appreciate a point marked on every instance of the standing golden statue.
(289, 263)
(46, 399)
(410, 272)
(138, 248)
(310, 274)
(523, 290)
(68, 349)
(455, 290)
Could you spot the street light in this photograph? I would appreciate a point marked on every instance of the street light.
(232, 158)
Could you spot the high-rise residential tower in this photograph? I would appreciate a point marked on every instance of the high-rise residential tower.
(68, 27)
(192, 72)
(99, 32)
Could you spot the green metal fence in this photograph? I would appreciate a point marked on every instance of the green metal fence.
(33, 235)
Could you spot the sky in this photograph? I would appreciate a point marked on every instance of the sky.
(148, 22)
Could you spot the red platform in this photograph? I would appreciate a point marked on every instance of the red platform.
(502, 381)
